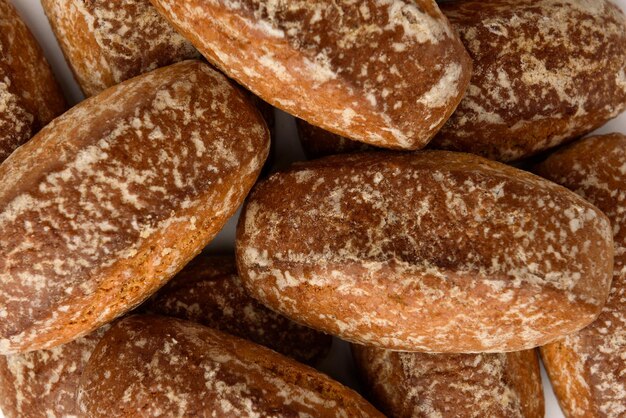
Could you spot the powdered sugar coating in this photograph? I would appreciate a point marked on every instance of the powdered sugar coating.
(45, 383)
(115, 196)
(209, 291)
(386, 72)
(151, 366)
(415, 385)
(29, 95)
(588, 369)
(107, 42)
(435, 251)
(545, 72)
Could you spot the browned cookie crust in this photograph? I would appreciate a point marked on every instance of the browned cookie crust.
(149, 366)
(209, 291)
(588, 369)
(29, 94)
(109, 201)
(433, 251)
(387, 72)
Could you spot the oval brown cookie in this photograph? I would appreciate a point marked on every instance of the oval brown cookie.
(588, 369)
(433, 251)
(545, 72)
(414, 385)
(45, 383)
(29, 94)
(109, 201)
(109, 41)
(147, 366)
(387, 73)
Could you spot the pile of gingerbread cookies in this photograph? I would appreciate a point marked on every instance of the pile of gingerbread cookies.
(452, 222)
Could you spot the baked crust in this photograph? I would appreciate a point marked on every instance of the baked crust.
(588, 369)
(432, 251)
(412, 385)
(537, 82)
(44, 383)
(110, 41)
(545, 72)
(107, 42)
(136, 371)
(316, 62)
(113, 198)
(29, 94)
(209, 291)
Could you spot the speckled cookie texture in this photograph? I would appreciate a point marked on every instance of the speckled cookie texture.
(209, 291)
(545, 72)
(588, 369)
(114, 197)
(148, 366)
(423, 385)
(109, 41)
(386, 72)
(45, 383)
(29, 94)
(432, 251)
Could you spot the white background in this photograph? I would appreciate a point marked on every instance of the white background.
(287, 150)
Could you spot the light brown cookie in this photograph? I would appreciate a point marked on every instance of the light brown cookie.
(109, 41)
(423, 385)
(45, 383)
(209, 291)
(545, 72)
